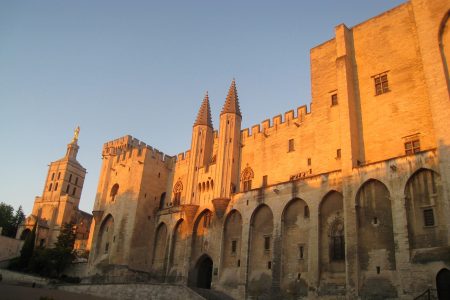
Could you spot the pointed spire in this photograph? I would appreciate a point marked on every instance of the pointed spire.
(232, 103)
(204, 114)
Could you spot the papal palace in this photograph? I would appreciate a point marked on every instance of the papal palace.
(350, 197)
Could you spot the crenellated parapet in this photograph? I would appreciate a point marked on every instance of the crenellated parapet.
(268, 125)
(127, 147)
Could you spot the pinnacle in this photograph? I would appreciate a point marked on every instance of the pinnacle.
(232, 102)
(204, 114)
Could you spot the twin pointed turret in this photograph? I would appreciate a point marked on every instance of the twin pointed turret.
(204, 114)
(232, 103)
(231, 106)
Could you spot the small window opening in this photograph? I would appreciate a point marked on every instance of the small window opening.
(76, 181)
(338, 154)
(70, 178)
(412, 147)
(264, 181)
(378, 270)
(68, 188)
(428, 216)
(309, 161)
(56, 186)
(301, 251)
(381, 84)
(50, 187)
(375, 220)
(238, 262)
(291, 146)
(53, 176)
(334, 100)
(306, 211)
(59, 175)
(114, 191)
(106, 247)
(74, 191)
(269, 265)
(267, 243)
(233, 247)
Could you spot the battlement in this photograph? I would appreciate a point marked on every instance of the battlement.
(267, 125)
(183, 156)
(134, 147)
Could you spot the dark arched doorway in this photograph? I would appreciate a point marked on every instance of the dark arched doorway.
(24, 234)
(443, 284)
(204, 270)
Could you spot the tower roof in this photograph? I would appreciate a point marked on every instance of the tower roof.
(204, 114)
(232, 102)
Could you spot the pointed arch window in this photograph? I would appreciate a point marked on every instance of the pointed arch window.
(337, 241)
(246, 178)
(177, 189)
(114, 191)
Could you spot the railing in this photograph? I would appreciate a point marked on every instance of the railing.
(429, 294)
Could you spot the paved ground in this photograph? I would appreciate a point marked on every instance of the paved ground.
(16, 292)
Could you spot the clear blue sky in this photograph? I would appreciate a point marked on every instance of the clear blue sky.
(142, 68)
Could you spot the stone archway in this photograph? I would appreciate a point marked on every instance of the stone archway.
(25, 233)
(442, 284)
(203, 272)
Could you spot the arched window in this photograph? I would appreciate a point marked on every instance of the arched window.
(337, 241)
(56, 186)
(50, 187)
(68, 188)
(246, 178)
(114, 191)
(162, 200)
(177, 189)
(74, 191)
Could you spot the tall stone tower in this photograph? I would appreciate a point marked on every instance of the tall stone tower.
(201, 148)
(60, 199)
(229, 141)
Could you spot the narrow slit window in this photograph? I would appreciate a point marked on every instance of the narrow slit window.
(267, 243)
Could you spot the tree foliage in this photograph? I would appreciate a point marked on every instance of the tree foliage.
(9, 220)
(27, 249)
(49, 262)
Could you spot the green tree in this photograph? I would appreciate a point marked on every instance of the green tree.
(6, 219)
(28, 248)
(63, 254)
(19, 217)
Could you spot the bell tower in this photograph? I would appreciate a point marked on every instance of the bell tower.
(60, 198)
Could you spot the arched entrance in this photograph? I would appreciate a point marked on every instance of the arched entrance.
(443, 284)
(203, 272)
(24, 234)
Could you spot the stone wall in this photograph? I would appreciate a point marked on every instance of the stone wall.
(9, 247)
(134, 291)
